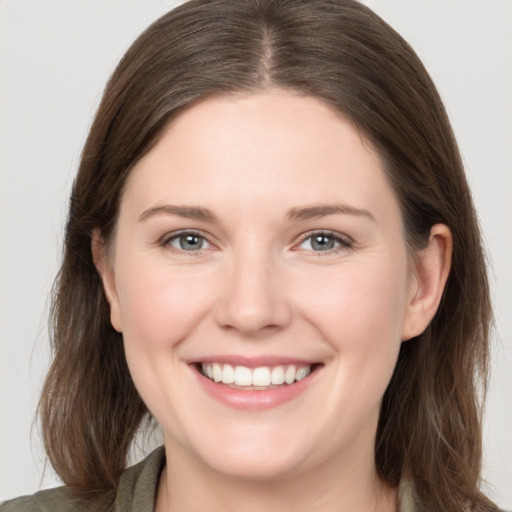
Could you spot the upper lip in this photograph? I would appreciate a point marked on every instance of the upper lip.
(253, 361)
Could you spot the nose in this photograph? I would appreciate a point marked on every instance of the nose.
(253, 300)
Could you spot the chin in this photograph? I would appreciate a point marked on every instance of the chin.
(256, 468)
(264, 455)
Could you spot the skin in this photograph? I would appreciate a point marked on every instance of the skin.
(257, 286)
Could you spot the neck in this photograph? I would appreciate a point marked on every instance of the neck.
(187, 485)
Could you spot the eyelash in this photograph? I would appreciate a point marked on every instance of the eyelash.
(166, 241)
(343, 241)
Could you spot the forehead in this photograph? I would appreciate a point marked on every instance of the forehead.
(275, 148)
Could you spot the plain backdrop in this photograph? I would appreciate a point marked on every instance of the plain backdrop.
(55, 57)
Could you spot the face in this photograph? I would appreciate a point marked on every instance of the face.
(261, 281)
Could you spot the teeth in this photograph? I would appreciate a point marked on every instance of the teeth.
(289, 376)
(243, 376)
(263, 376)
(302, 373)
(217, 372)
(278, 375)
(228, 374)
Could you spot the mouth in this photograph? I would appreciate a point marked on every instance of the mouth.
(261, 378)
(255, 384)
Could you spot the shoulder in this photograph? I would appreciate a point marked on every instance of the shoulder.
(138, 484)
(136, 492)
(60, 499)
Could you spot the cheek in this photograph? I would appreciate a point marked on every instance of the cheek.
(359, 314)
(359, 308)
(358, 298)
(158, 307)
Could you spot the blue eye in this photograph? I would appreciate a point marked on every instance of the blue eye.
(187, 241)
(323, 242)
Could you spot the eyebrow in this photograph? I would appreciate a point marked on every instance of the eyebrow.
(188, 212)
(322, 210)
(303, 213)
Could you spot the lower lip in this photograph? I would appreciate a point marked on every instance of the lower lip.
(254, 400)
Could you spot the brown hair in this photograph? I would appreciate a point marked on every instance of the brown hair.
(337, 50)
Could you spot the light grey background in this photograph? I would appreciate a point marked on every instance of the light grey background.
(55, 57)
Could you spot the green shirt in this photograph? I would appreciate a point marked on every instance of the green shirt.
(136, 492)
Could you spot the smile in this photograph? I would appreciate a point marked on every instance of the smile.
(263, 377)
(255, 384)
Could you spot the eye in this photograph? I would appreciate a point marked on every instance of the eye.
(188, 241)
(324, 242)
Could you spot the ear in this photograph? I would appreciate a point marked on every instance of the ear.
(106, 272)
(431, 267)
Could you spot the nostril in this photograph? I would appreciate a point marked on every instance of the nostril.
(252, 304)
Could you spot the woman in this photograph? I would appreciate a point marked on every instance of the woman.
(263, 252)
